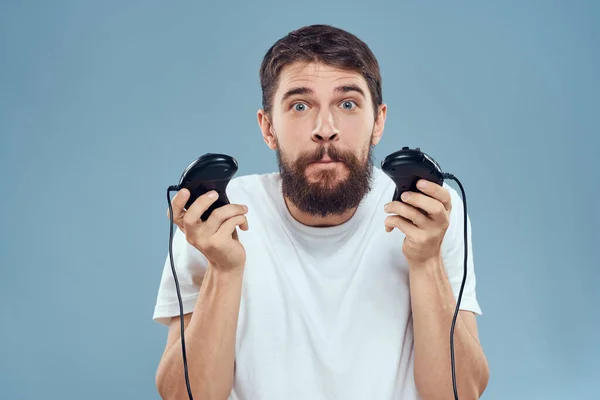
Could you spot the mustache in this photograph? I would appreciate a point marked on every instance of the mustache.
(333, 152)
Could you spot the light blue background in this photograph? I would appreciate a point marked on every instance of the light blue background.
(102, 105)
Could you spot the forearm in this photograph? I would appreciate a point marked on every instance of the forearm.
(209, 341)
(433, 306)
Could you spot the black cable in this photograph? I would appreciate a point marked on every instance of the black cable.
(462, 285)
(185, 366)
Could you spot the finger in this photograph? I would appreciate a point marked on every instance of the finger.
(200, 205)
(433, 208)
(409, 212)
(404, 225)
(438, 192)
(222, 214)
(227, 228)
(244, 226)
(177, 204)
(179, 200)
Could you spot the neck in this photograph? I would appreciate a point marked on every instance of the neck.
(316, 220)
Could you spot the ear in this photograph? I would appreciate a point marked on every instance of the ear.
(264, 123)
(379, 124)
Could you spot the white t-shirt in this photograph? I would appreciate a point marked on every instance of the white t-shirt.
(325, 312)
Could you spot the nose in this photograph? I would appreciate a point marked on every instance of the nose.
(325, 130)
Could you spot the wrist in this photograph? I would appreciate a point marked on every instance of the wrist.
(228, 272)
(426, 266)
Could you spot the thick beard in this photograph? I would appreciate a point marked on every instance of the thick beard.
(329, 195)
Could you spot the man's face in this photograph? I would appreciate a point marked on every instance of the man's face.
(323, 130)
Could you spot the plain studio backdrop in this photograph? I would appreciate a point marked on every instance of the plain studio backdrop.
(103, 104)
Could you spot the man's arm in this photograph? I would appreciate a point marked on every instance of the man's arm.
(211, 329)
(424, 216)
(210, 333)
(433, 306)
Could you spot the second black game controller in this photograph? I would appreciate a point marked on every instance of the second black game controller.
(407, 166)
(206, 173)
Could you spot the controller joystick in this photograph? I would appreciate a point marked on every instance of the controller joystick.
(206, 173)
(406, 166)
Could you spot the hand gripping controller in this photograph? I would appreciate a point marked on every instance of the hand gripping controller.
(405, 167)
(208, 172)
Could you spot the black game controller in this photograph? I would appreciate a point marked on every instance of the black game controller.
(407, 166)
(208, 172)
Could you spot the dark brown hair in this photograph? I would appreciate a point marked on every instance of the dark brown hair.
(325, 44)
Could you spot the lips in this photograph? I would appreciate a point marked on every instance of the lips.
(325, 160)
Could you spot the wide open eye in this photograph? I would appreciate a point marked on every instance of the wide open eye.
(348, 105)
(299, 107)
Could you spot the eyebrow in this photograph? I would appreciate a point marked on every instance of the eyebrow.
(302, 90)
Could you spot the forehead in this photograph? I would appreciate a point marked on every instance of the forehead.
(319, 77)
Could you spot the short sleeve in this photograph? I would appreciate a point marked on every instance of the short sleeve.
(453, 254)
(190, 266)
